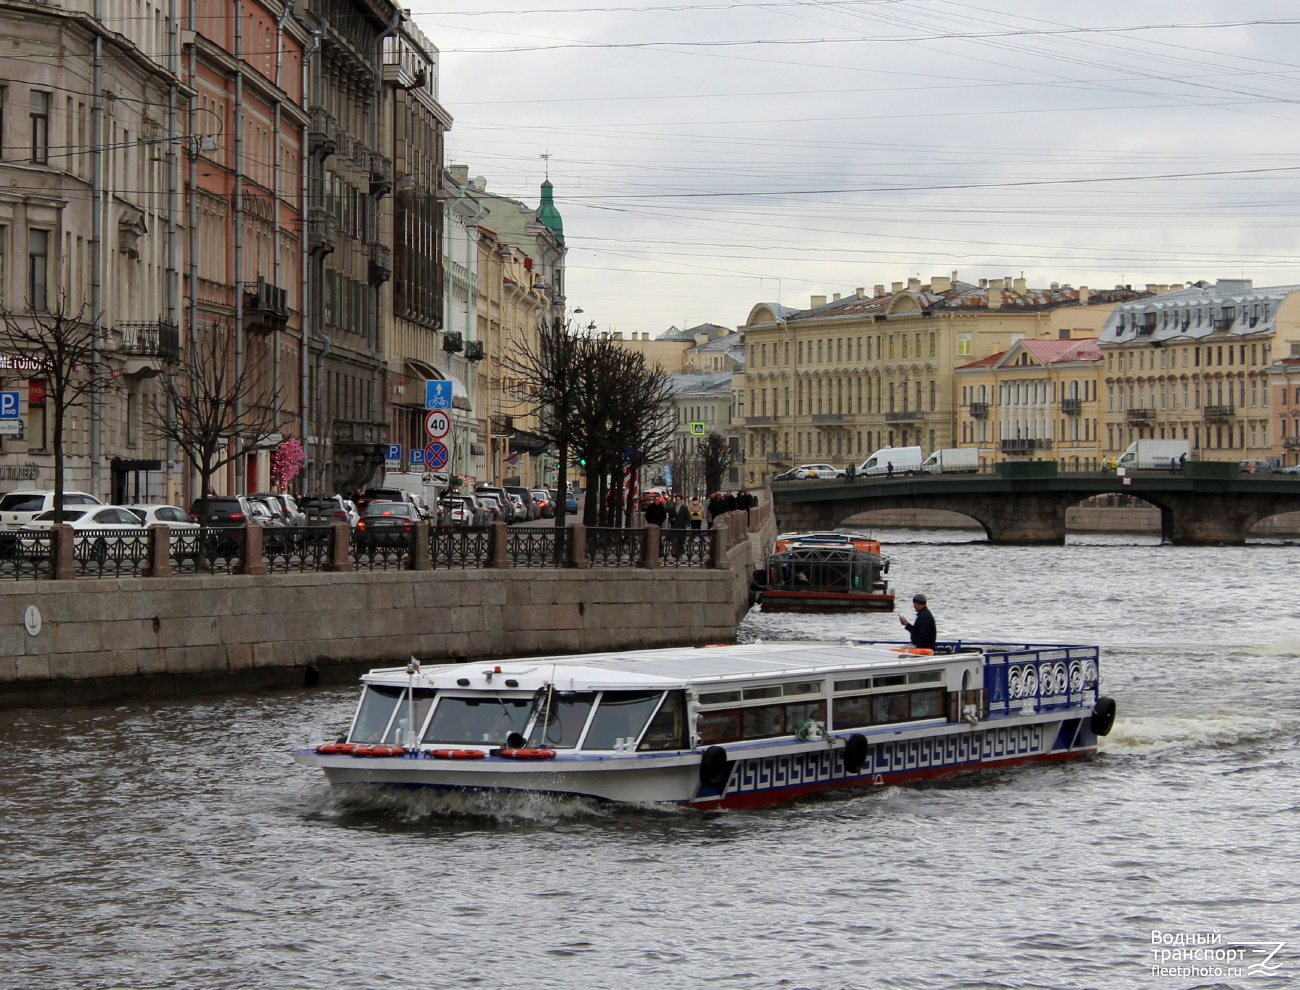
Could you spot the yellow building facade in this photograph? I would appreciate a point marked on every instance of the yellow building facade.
(849, 375)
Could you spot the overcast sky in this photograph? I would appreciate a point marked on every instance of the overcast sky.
(709, 155)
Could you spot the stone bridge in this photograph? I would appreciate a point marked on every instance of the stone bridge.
(1193, 510)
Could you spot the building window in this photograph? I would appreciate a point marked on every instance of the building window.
(965, 344)
(933, 344)
(40, 114)
(38, 260)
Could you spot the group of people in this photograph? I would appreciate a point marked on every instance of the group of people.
(678, 513)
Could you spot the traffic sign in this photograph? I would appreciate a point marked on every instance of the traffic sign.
(437, 424)
(697, 429)
(393, 453)
(435, 455)
(437, 395)
(8, 405)
(417, 456)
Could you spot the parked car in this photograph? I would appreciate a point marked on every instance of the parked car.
(459, 510)
(522, 513)
(531, 510)
(545, 507)
(25, 504)
(507, 506)
(1256, 467)
(95, 528)
(387, 524)
(294, 516)
(812, 471)
(167, 515)
(329, 509)
(570, 502)
(265, 507)
(383, 495)
(221, 510)
(493, 510)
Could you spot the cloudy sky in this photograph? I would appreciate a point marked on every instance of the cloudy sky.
(709, 154)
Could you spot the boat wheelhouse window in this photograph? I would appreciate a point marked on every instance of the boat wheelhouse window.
(620, 715)
(716, 727)
(928, 704)
(477, 720)
(889, 679)
(668, 728)
(771, 691)
(720, 698)
(880, 709)
(377, 704)
(560, 719)
(759, 722)
(890, 708)
(925, 676)
(396, 735)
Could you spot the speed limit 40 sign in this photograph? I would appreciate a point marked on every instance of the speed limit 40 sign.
(437, 424)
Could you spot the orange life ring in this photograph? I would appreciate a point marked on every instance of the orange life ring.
(528, 754)
(334, 749)
(457, 754)
(379, 751)
(920, 652)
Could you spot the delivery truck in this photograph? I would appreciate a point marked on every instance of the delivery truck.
(1160, 455)
(953, 460)
(892, 460)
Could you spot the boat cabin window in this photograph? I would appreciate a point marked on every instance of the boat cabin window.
(477, 720)
(560, 718)
(925, 676)
(758, 721)
(880, 709)
(396, 735)
(620, 715)
(377, 704)
(668, 727)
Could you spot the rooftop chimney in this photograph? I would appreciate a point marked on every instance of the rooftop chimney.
(913, 284)
(861, 291)
(818, 301)
(645, 336)
(835, 297)
(617, 335)
(897, 286)
(938, 283)
(995, 297)
(998, 283)
(1083, 295)
(1176, 286)
(954, 278)
(984, 283)
(877, 291)
(1055, 286)
(1020, 286)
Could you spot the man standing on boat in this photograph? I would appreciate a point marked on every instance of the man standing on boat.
(923, 632)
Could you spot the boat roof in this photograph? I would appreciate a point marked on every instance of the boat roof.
(661, 669)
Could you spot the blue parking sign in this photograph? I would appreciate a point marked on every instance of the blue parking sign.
(9, 405)
(437, 395)
(393, 453)
(417, 455)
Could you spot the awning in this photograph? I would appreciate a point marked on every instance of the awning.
(427, 372)
(528, 443)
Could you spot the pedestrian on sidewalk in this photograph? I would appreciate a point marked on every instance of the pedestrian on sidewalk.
(697, 513)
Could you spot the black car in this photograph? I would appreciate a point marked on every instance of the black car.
(221, 510)
(386, 525)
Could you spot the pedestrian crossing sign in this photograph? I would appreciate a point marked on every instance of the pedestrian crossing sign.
(697, 429)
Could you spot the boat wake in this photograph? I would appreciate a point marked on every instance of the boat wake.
(1287, 646)
(406, 804)
(1148, 736)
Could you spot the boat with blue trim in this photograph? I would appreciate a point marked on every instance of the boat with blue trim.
(823, 572)
(720, 727)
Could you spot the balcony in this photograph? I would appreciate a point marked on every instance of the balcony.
(1224, 323)
(381, 176)
(822, 418)
(266, 302)
(453, 342)
(1219, 412)
(979, 410)
(1140, 416)
(320, 232)
(1025, 445)
(1072, 406)
(760, 421)
(779, 457)
(1291, 441)
(903, 417)
(323, 137)
(160, 340)
(474, 350)
(358, 431)
(381, 263)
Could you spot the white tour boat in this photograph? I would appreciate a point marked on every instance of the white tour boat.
(720, 727)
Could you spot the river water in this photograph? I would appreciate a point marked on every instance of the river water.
(177, 845)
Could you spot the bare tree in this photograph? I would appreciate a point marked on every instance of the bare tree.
(715, 457)
(64, 345)
(197, 407)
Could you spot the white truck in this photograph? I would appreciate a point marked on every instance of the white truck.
(424, 488)
(1160, 455)
(892, 461)
(953, 460)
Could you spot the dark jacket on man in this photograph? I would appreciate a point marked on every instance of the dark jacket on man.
(681, 516)
(730, 502)
(717, 506)
(655, 513)
(923, 631)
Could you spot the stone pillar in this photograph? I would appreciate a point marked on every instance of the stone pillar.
(340, 547)
(160, 552)
(651, 559)
(578, 545)
(720, 546)
(250, 553)
(420, 547)
(62, 567)
(498, 545)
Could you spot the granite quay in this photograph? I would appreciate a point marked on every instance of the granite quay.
(259, 622)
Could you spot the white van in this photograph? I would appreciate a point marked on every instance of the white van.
(953, 460)
(1156, 454)
(424, 494)
(892, 460)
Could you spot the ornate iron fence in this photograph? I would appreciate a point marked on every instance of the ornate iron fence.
(459, 546)
(537, 547)
(381, 548)
(610, 547)
(25, 556)
(296, 548)
(110, 552)
(686, 548)
(207, 549)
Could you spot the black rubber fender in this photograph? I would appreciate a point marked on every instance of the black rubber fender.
(1103, 716)
(714, 768)
(855, 753)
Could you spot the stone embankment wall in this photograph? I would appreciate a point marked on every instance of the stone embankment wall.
(1080, 518)
(122, 637)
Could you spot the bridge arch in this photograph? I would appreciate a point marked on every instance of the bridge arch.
(918, 519)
